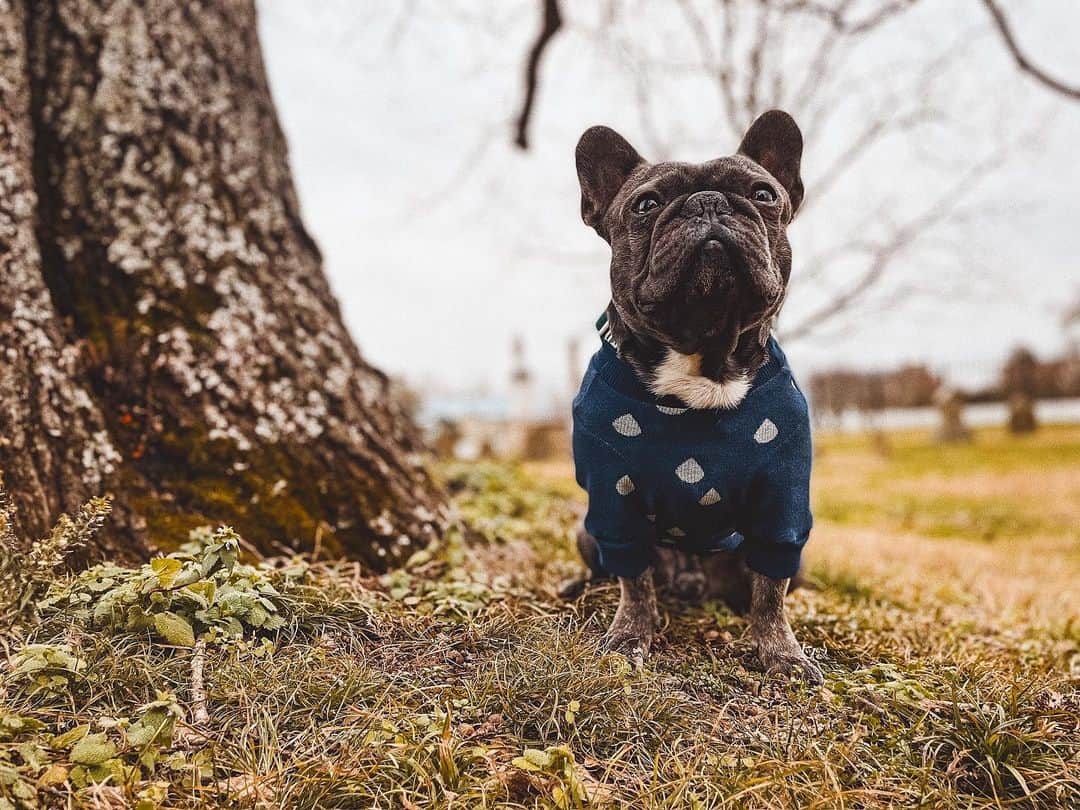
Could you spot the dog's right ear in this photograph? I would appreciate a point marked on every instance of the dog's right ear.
(604, 161)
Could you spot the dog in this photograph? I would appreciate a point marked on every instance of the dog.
(691, 435)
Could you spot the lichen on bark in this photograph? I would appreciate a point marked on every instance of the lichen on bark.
(225, 384)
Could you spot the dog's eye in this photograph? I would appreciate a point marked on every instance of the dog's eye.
(646, 203)
(763, 193)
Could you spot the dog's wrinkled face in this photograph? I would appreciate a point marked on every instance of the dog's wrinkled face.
(699, 251)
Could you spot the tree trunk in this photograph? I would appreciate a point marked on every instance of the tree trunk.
(169, 335)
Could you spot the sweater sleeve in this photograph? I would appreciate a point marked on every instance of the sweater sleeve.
(616, 514)
(778, 518)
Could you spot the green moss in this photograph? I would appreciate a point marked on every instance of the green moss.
(279, 498)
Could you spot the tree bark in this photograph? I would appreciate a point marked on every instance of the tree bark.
(172, 337)
(55, 449)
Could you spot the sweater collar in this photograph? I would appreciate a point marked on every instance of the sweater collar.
(620, 376)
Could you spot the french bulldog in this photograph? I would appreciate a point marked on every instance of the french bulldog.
(700, 263)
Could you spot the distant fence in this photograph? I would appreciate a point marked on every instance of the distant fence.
(985, 414)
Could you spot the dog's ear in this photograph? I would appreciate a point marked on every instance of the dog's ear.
(775, 143)
(604, 161)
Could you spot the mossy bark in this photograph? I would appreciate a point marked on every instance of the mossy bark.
(160, 226)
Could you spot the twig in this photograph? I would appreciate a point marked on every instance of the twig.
(836, 16)
(551, 24)
(200, 715)
(1021, 58)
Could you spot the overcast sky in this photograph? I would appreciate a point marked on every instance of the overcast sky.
(443, 241)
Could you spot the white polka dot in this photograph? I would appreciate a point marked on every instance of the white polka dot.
(671, 411)
(690, 471)
(627, 425)
(624, 486)
(709, 498)
(766, 432)
(675, 531)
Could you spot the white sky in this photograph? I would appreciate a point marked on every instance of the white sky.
(442, 240)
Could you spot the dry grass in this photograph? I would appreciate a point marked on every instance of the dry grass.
(951, 664)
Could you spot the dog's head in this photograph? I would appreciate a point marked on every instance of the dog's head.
(699, 252)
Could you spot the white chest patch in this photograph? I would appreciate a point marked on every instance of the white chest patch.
(680, 375)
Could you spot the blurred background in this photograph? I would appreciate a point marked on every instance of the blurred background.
(934, 275)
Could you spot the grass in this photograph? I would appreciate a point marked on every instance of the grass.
(951, 662)
(998, 486)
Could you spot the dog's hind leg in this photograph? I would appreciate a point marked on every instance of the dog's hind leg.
(590, 555)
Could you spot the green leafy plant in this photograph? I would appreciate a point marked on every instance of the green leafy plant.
(28, 567)
(566, 786)
(198, 592)
(49, 668)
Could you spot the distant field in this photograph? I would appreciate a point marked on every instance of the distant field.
(995, 522)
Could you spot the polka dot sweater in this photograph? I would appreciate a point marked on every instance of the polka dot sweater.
(701, 480)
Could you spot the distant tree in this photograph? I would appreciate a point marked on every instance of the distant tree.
(1020, 384)
(907, 387)
(951, 408)
(1020, 374)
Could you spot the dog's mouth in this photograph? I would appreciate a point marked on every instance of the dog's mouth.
(706, 271)
(704, 289)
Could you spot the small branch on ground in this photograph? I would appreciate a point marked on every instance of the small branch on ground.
(551, 24)
(200, 716)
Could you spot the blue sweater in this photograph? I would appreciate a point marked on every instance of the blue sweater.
(701, 480)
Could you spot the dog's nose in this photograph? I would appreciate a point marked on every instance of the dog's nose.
(706, 204)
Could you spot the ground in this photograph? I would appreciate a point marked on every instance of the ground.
(941, 606)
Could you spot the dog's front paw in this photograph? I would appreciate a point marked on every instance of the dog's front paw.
(633, 644)
(631, 633)
(791, 663)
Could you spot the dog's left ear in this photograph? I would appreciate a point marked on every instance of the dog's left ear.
(775, 143)
(605, 159)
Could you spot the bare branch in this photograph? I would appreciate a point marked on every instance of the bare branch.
(725, 73)
(1021, 59)
(757, 55)
(870, 135)
(836, 16)
(720, 72)
(887, 252)
(552, 22)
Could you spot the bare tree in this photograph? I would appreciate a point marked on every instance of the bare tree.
(166, 330)
(795, 54)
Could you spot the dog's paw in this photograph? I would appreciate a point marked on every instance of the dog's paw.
(571, 589)
(791, 664)
(631, 644)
